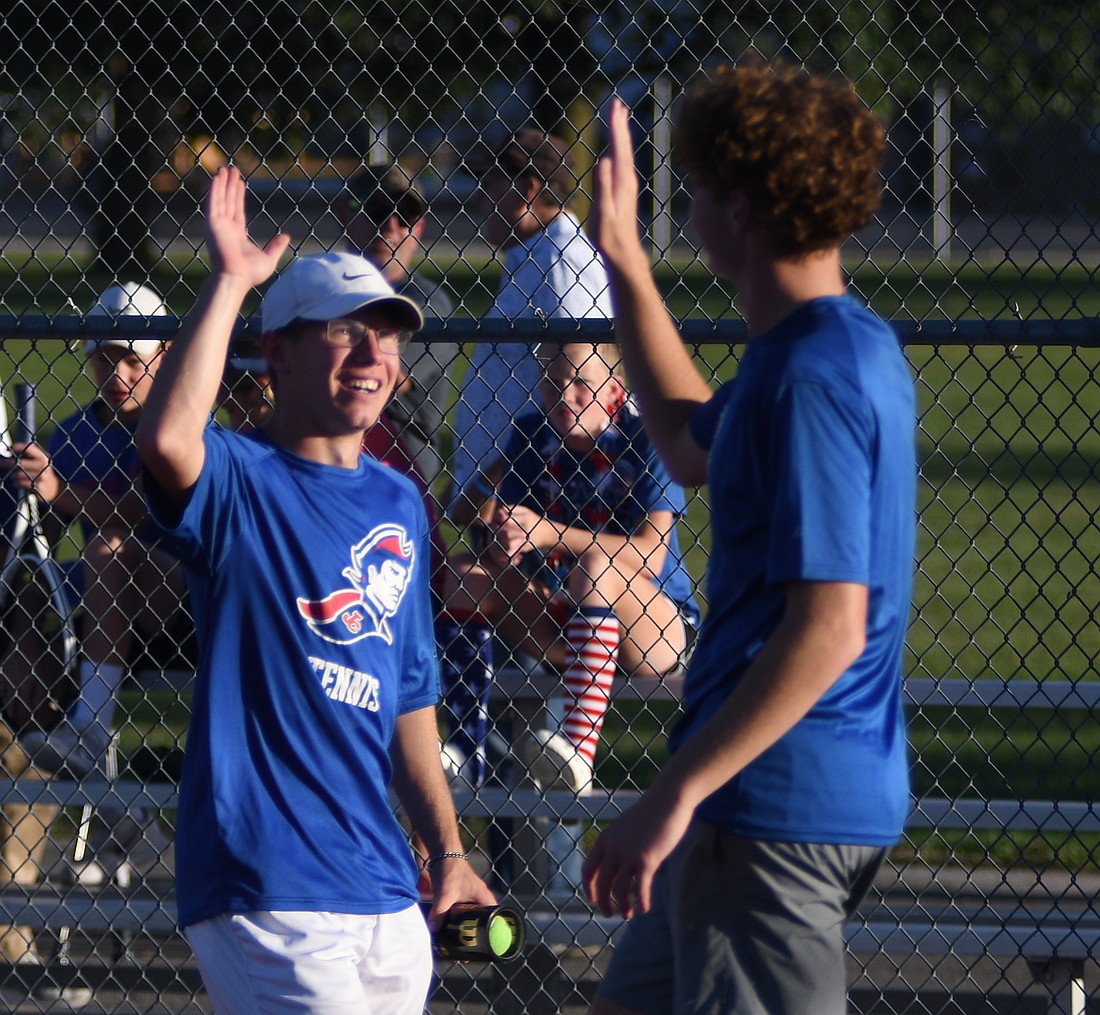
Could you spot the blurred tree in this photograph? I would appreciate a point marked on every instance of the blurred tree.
(276, 76)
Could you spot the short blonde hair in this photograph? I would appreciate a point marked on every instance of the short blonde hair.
(607, 352)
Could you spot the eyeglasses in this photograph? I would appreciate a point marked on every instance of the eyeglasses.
(348, 333)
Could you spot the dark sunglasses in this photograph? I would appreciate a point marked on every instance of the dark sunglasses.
(378, 211)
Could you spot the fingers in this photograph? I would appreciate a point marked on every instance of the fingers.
(231, 249)
(618, 131)
(590, 870)
(462, 886)
(216, 199)
(617, 881)
(277, 247)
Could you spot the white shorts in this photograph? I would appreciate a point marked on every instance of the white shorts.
(277, 963)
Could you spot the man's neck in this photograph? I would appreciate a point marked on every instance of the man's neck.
(772, 289)
(396, 273)
(538, 220)
(340, 451)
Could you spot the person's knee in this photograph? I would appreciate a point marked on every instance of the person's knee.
(100, 549)
(13, 759)
(595, 575)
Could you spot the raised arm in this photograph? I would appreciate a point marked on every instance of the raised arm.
(661, 371)
(169, 436)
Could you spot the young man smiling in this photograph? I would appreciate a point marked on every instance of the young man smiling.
(317, 681)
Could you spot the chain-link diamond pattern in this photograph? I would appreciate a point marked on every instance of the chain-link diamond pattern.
(984, 253)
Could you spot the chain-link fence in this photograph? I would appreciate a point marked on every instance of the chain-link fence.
(983, 255)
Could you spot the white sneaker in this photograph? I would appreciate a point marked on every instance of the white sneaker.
(553, 763)
(75, 749)
(457, 767)
(74, 997)
(50, 993)
(122, 843)
(99, 870)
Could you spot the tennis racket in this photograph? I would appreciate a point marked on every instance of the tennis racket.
(38, 639)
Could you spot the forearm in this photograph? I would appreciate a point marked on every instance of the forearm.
(169, 436)
(661, 372)
(420, 783)
(667, 382)
(422, 787)
(822, 633)
(642, 549)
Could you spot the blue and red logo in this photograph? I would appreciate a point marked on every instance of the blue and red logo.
(381, 567)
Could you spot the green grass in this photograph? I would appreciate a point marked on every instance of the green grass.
(1007, 582)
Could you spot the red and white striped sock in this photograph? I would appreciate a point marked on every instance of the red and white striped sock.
(593, 636)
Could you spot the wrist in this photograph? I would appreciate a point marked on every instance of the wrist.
(225, 285)
(48, 487)
(444, 856)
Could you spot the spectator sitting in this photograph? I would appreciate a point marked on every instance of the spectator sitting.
(582, 562)
(23, 837)
(551, 270)
(383, 212)
(90, 476)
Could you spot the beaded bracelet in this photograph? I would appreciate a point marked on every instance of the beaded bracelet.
(448, 855)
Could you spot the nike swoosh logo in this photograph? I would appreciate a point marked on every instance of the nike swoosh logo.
(352, 278)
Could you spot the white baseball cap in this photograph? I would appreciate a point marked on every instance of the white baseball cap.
(128, 300)
(322, 287)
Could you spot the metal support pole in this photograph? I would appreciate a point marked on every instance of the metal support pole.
(662, 166)
(1066, 980)
(941, 172)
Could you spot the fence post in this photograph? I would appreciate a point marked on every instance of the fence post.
(1066, 980)
(941, 171)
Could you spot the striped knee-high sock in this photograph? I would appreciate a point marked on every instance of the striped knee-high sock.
(593, 637)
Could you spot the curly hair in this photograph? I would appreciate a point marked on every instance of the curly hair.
(805, 150)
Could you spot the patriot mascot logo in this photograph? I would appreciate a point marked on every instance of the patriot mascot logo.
(381, 566)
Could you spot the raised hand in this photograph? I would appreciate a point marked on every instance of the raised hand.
(232, 251)
(614, 219)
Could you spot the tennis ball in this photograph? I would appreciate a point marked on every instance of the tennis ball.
(500, 936)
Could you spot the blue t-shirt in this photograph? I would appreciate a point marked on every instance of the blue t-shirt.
(309, 586)
(87, 454)
(812, 474)
(610, 488)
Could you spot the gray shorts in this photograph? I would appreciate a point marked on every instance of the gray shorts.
(743, 927)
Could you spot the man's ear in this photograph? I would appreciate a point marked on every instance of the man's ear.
(530, 187)
(738, 210)
(274, 345)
